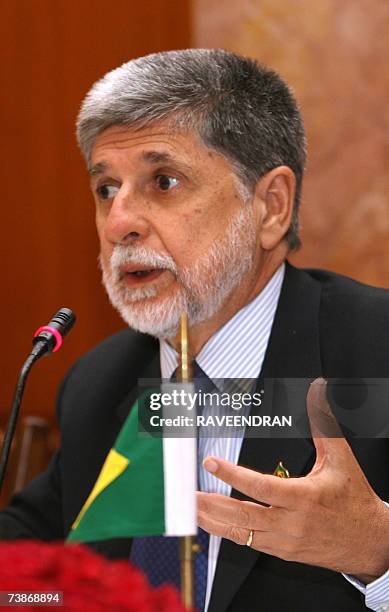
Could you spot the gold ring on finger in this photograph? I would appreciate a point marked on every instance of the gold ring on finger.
(250, 538)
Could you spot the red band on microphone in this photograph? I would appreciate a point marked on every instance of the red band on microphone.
(51, 330)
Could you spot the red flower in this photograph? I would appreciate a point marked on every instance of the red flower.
(88, 581)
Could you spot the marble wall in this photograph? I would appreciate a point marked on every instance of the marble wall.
(334, 54)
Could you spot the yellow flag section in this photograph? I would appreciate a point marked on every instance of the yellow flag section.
(147, 486)
(114, 465)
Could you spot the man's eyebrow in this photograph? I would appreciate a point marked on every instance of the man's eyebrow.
(157, 157)
(97, 169)
(151, 157)
(163, 157)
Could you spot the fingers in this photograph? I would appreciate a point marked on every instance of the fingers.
(222, 530)
(323, 423)
(265, 541)
(247, 515)
(264, 488)
(236, 534)
(290, 548)
(326, 432)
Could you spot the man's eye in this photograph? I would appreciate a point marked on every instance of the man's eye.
(166, 182)
(106, 192)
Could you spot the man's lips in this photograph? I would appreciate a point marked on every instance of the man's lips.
(132, 268)
(136, 274)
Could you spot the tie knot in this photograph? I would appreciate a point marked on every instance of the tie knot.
(198, 373)
(199, 378)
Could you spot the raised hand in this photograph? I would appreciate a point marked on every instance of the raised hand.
(331, 517)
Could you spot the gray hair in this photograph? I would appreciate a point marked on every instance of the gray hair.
(235, 105)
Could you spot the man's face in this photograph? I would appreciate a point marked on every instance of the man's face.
(174, 232)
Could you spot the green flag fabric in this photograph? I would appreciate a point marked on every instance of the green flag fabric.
(146, 487)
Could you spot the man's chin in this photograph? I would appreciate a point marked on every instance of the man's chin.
(159, 329)
(154, 316)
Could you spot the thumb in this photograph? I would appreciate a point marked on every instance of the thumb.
(326, 432)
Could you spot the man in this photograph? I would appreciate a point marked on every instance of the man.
(196, 160)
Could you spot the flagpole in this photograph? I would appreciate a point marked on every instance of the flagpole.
(188, 545)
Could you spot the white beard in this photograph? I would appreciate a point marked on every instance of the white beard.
(201, 289)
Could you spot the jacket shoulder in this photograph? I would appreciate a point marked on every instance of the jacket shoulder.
(334, 284)
(122, 349)
(352, 302)
(105, 374)
(354, 324)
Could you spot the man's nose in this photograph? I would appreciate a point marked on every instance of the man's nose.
(126, 220)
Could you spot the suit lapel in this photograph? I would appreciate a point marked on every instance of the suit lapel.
(150, 372)
(293, 352)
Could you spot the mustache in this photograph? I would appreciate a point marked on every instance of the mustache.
(123, 255)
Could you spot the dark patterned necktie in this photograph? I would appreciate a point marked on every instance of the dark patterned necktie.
(158, 556)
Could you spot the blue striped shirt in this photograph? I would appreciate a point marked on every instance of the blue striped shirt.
(237, 350)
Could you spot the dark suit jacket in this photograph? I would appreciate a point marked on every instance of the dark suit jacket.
(325, 325)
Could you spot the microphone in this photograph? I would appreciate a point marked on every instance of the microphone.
(47, 339)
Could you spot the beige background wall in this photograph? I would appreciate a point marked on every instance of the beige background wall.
(334, 54)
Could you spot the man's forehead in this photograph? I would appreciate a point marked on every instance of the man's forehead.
(157, 144)
(121, 136)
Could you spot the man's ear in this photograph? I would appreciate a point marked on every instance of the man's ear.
(274, 195)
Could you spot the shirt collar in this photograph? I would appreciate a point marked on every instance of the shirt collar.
(238, 348)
